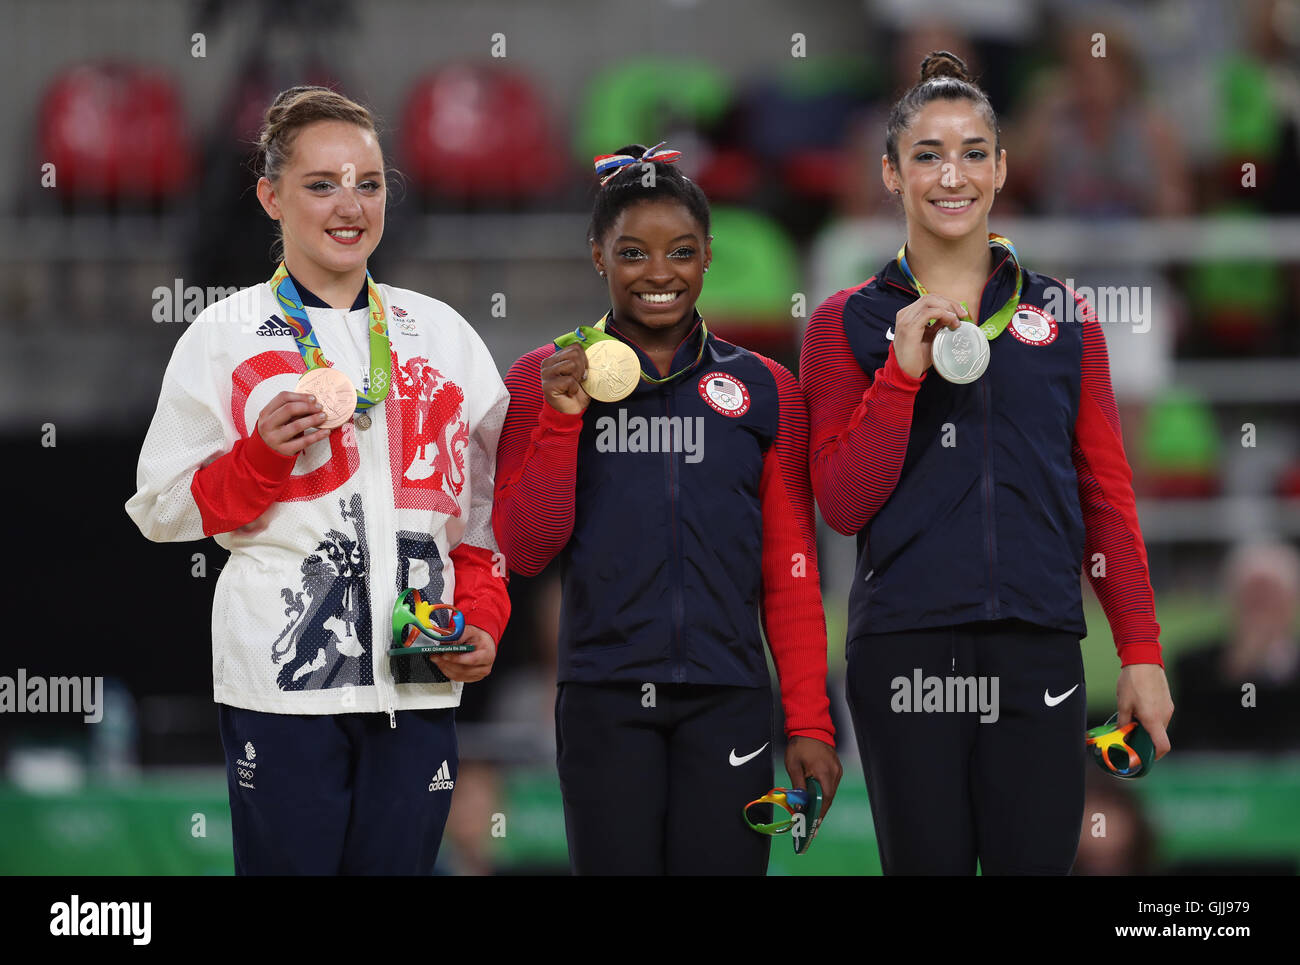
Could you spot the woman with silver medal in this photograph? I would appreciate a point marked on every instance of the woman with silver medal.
(976, 498)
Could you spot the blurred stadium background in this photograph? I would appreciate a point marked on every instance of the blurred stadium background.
(1169, 167)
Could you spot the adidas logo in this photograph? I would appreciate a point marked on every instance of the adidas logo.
(442, 780)
(274, 325)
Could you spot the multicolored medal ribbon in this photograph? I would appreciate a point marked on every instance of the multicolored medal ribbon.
(1126, 752)
(804, 807)
(379, 374)
(613, 369)
(961, 355)
(416, 630)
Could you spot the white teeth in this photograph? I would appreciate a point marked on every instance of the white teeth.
(657, 298)
(345, 232)
(952, 204)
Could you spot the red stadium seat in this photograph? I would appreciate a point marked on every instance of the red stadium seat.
(479, 133)
(115, 132)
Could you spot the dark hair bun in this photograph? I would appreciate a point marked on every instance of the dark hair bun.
(633, 150)
(942, 63)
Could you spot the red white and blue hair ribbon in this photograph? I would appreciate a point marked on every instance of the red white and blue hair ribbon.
(610, 164)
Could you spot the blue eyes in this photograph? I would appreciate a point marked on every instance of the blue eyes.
(369, 187)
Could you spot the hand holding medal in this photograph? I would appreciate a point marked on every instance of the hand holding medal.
(291, 422)
(959, 352)
(589, 365)
(337, 396)
(917, 329)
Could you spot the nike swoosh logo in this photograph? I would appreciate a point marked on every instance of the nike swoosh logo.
(737, 761)
(1051, 701)
(890, 334)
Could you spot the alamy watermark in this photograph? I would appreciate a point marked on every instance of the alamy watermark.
(661, 433)
(1111, 304)
(54, 695)
(945, 695)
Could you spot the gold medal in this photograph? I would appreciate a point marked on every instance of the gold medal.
(334, 391)
(613, 370)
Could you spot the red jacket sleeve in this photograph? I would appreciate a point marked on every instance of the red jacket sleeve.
(481, 589)
(241, 485)
(537, 466)
(793, 618)
(859, 422)
(1120, 575)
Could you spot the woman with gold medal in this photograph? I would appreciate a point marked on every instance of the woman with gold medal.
(338, 437)
(964, 428)
(666, 470)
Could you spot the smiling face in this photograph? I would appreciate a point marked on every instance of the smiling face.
(654, 256)
(329, 200)
(947, 172)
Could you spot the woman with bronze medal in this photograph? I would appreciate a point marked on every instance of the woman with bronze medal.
(964, 428)
(338, 437)
(666, 470)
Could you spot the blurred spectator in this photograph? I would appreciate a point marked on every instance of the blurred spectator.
(1088, 142)
(1215, 711)
(862, 195)
(1117, 838)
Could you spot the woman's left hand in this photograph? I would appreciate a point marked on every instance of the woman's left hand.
(808, 757)
(1143, 692)
(471, 666)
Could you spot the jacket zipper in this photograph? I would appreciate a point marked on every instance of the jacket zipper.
(383, 528)
(986, 404)
(990, 529)
(990, 535)
(679, 662)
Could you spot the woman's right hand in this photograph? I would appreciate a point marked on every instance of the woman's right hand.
(283, 422)
(562, 375)
(913, 336)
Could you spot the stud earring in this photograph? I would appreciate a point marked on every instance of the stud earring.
(602, 273)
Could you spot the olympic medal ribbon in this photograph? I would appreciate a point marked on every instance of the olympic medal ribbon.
(380, 373)
(996, 324)
(613, 370)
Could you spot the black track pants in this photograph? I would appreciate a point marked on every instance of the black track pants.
(947, 789)
(652, 790)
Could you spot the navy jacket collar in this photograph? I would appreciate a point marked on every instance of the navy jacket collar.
(684, 356)
(309, 299)
(997, 288)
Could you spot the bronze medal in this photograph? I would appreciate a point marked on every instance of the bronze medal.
(334, 391)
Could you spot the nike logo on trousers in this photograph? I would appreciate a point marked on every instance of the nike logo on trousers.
(737, 761)
(1051, 701)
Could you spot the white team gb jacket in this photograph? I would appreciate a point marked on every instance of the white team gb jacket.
(302, 614)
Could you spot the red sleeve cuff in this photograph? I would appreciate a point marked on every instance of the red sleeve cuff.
(1131, 653)
(892, 373)
(815, 734)
(552, 418)
(265, 461)
(481, 594)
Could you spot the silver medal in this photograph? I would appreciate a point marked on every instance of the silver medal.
(961, 355)
(363, 420)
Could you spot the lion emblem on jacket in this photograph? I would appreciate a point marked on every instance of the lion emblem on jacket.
(431, 438)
